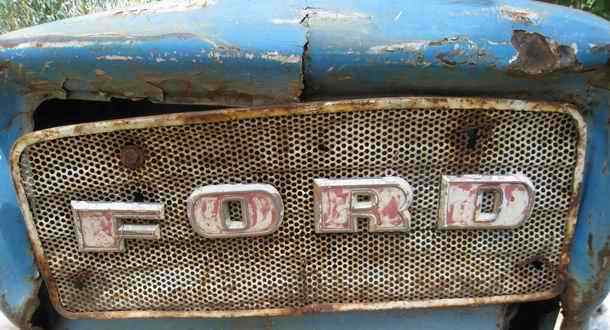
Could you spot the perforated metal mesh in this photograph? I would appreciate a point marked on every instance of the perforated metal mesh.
(295, 266)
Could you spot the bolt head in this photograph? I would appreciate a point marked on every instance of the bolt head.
(132, 156)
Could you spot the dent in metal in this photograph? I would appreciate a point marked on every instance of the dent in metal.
(461, 201)
(262, 210)
(99, 226)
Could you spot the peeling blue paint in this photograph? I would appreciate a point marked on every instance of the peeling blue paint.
(244, 60)
(19, 279)
(437, 46)
(589, 269)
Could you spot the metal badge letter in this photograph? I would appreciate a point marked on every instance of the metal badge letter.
(384, 201)
(485, 202)
(99, 226)
(235, 210)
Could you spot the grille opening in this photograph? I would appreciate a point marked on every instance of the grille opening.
(138, 197)
(361, 198)
(537, 264)
(233, 214)
(472, 135)
(489, 201)
(55, 112)
(323, 147)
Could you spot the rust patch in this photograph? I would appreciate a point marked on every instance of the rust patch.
(79, 280)
(135, 89)
(132, 156)
(448, 58)
(195, 88)
(580, 302)
(22, 317)
(538, 55)
(464, 51)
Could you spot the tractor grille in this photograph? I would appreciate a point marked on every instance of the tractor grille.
(416, 139)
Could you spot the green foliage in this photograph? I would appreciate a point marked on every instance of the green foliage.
(16, 14)
(598, 7)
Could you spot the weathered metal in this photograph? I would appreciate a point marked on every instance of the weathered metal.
(538, 55)
(462, 201)
(208, 67)
(132, 156)
(261, 212)
(385, 204)
(100, 227)
(385, 46)
(123, 54)
(366, 107)
(19, 276)
(133, 55)
(588, 277)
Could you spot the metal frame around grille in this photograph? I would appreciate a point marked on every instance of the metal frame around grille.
(217, 116)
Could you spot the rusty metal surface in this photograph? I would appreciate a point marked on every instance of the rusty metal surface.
(375, 49)
(132, 156)
(337, 48)
(588, 274)
(412, 59)
(145, 53)
(299, 285)
(537, 55)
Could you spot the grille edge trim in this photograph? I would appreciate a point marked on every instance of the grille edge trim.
(405, 103)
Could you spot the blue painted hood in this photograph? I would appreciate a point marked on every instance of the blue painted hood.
(250, 53)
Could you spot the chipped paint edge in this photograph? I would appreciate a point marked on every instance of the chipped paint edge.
(406, 103)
